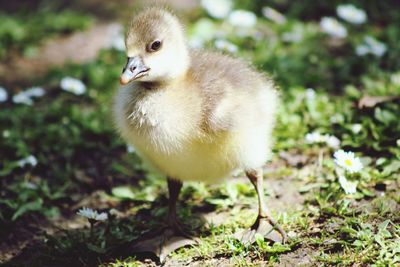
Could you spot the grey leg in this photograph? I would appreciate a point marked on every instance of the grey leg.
(264, 215)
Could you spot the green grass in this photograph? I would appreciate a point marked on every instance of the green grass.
(22, 33)
(82, 162)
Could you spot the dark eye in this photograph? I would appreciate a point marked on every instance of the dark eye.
(155, 46)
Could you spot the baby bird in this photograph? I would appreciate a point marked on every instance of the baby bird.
(193, 115)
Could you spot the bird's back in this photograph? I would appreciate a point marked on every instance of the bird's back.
(233, 92)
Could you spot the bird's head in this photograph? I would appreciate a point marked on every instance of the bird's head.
(156, 48)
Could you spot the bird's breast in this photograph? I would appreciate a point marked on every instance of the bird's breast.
(167, 134)
(158, 119)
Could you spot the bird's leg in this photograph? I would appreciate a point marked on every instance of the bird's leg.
(170, 238)
(264, 224)
(174, 188)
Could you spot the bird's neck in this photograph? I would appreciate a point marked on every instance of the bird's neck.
(152, 85)
(164, 83)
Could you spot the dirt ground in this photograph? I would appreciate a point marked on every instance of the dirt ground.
(25, 241)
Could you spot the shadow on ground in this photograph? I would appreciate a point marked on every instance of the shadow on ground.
(106, 242)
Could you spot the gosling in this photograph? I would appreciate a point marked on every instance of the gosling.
(193, 116)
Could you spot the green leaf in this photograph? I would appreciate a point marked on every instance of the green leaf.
(30, 206)
(96, 248)
(232, 191)
(393, 167)
(52, 212)
(309, 187)
(278, 248)
(384, 225)
(123, 192)
(259, 239)
(379, 240)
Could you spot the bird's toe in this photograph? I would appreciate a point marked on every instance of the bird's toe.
(261, 228)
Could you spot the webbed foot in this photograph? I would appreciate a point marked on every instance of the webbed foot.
(264, 227)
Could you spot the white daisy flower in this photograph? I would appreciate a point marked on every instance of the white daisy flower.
(332, 141)
(242, 18)
(356, 128)
(30, 185)
(34, 92)
(203, 30)
(6, 133)
(376, 48)
(25, 97)
(314, 137)
(225, 45)
(395, 78)
(217, 9)
(337, 118)
(317, 138)
(73, 85)
(28, 160)
(130, 149)
(273, 15)
(348, 186)
(362, 50)
(371, 46)
(3, 94)
(333, 27)
(294, 36)
(22, 98)
(92, 214)
(310, 94)
(351, 14)
(348, 161)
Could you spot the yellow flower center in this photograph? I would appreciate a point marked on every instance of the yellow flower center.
(348, 162)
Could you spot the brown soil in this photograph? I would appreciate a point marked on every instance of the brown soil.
(79, 47)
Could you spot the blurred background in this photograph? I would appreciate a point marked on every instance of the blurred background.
(337, 65)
